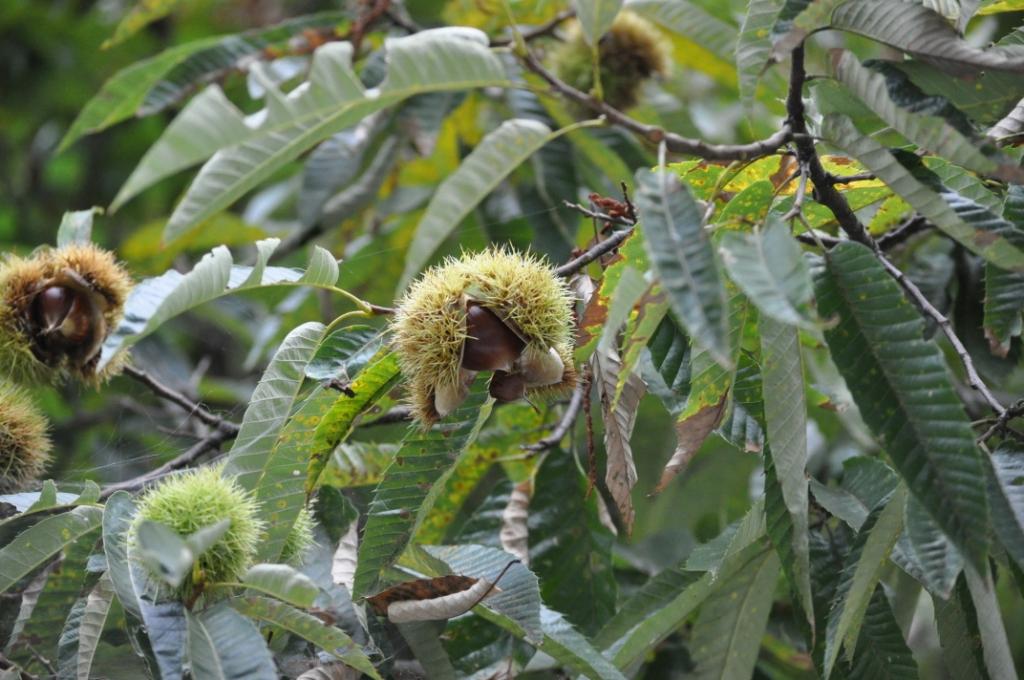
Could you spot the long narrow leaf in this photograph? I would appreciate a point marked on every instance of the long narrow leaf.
(902, 387)
(493, 159)
(410, 485)
(681, 253)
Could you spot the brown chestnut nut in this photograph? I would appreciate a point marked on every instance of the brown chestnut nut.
(68, 319)
(51, 307)
(507, 386)
(491, 345)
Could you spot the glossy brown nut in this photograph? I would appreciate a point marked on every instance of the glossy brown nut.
(51, 307)
(491, 345)
(507, 386)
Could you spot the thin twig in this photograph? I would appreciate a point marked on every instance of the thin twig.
(42, 660)
(175, 397)
(798, 198)
(826, 194)
(547, 28)
(1003, 419)
(850, 179)
(604, 247)
(919, 298)
(654, 134)
(565, 424)
(593, 214)
(629, 203)
(913, 226)
(211, 442)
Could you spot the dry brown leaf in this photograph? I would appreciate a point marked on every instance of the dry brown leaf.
(690, 434)
(515, 533)
(431, 599)
(620, 473)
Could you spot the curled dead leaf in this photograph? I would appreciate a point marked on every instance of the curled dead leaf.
(690, 434)
(515, 533)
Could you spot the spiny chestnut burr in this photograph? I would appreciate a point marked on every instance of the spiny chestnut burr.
(632, 51)
(189, 501)
(497, 311)
(56, 309)
(24, 442)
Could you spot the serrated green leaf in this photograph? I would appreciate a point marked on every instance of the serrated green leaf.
(369, 386)
(208, 122)
(35, 546)
(881, 652)
(670, 356)
(81, 637)
(155, 301)
(282, 582)
(660, 624)
(596, 17)
(1006, 497)
(721, 558)
(861, 571)
(644, 320)
(117, 517)
(344, 352)
(224, 645)
(574, 650)
(663, 587)
(493, 159)
(125, 91)
(332, 640)
(978, 229)
(424, 638)
(901, 385)
(768, 266)
(63, 587)
(411, 484)
(270, 452)
(728, 632)
(166, 630)
(572, 559)
(429, 61)
(785, 413)
(918, 30)
(957, 624)
(754, 45)
(76, 227)
(994, 643)
(925, 553)
(989, 98)
(681, 253)
(1004, 290)
(932, 126)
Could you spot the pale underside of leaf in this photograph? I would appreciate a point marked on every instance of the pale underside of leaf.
(918, 30)
(515, 530)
